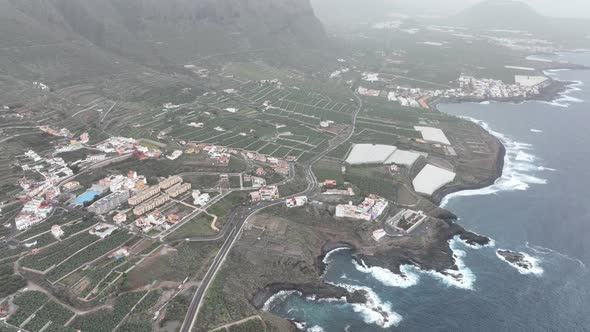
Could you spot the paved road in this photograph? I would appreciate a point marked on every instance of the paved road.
(237, 221)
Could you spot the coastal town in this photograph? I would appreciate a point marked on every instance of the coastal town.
(469, 89)
(163, 183)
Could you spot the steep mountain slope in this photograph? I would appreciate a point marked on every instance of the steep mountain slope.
(346, 12)
(104, 32)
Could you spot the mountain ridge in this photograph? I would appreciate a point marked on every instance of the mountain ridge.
(148, 32)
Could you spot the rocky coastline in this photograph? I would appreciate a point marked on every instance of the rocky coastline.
(437, 255)
(432, 254)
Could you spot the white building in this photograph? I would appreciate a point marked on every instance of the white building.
(200, 199)
(298, 201)
(431, 134)
(432, 178)
(529, 80)
(33, 212)
(102, 230)
(403, 158)
(175, 155)
(369, 154)
(379, 234)
(57, 231)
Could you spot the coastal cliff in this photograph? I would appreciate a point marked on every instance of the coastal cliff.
(304, 237)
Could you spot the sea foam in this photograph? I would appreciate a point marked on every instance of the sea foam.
(463, 277)
(407, 279)
(278, 298)
(327, 259)
(374, 310)
(518, 168)
(564, 99)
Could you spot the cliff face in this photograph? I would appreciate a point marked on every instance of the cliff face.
(171, 31)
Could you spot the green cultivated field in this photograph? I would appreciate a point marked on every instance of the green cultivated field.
(27, 302)
(58, 253)
(106, 320)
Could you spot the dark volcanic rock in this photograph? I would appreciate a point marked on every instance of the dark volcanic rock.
(515, 258)
(474, 239)
(430, 252)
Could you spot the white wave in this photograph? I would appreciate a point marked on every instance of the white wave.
(517, 172)
(548, 251)
(523, 156)
(564, 99)
(538, 131)
(332, 300)
(485, 102)
(326, 259)
(374, 311)
(463, 277)
(407, 279)
(534, 262)
(299, 325)
(555, 103)
(278, 298)
(315, 328)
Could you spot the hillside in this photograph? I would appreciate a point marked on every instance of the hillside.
(70, 36)
(501, 14)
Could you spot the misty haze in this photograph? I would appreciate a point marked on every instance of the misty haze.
(294, 165)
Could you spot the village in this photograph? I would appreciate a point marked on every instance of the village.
(468, 88)
(127, 201)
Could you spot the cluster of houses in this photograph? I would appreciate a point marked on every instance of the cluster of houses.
(298, 201)
(125, 145)
(483, 88)
(469, 87)
(255, 181)
(61, 132)
(221, 155)
(329, 188)
(156, 220)
(39, 194)
(265, 193)
(34, 211)
(278, 165)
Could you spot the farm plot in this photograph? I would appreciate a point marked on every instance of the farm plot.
(51, 314)
(90, 253)
(107, 320)
(58, 252)
(83, 283)
(28, 303)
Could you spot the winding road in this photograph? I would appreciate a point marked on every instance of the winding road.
(239, 217)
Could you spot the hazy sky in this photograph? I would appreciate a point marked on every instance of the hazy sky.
(567, 8)
(330, 9)
(563, 8)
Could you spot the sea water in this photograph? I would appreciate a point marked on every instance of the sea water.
(540, 207)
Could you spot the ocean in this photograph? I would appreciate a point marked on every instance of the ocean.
(540, 207)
